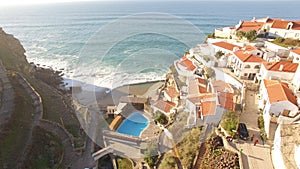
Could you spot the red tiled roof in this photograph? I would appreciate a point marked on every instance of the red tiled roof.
(287, 66)
(226, 45)
(165, 106)
(278, 91)
(172, 92)
(197, 86)
(221, 86)
(249, 48)
(184, 57)
(208, 108)
(246, 57)
(247, 26)
(226, 100)
(283, 24)
(297, 51)
(202, 97)
(188, 64)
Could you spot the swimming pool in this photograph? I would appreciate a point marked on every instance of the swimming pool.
(133, 125)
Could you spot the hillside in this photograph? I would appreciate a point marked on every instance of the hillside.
(37, 105)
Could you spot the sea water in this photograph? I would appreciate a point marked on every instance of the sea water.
(55, 34)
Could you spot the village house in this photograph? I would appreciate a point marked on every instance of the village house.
(226, 32)
(225, 94)
(246, 65)
(247, 26)
(185, 66)
(286, 29)
(166, 107)
(202, 105)
(196, 86)
(278, 71)
(277, 99)
(227, 49)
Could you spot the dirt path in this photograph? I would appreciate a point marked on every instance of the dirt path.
(6, 97)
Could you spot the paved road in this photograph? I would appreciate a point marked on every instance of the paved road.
(258, 156)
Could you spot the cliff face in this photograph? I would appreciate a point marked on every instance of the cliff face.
(10, 42)
(12, 53)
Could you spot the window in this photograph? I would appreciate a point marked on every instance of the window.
(257, 67)
(245, 74)
(258, 54)
(247, 66)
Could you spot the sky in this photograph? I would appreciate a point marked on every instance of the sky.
(30, 2)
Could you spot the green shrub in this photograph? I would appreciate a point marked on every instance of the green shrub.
(160, 118)
(251, 35)
(229, 122)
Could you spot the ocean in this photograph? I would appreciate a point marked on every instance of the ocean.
(87, 40)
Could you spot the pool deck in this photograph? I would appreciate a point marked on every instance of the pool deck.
(152, 130)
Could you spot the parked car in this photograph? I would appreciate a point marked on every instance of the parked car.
(242, 131)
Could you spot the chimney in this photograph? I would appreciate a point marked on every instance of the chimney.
(281, 67)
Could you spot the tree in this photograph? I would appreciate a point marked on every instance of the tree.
(240, 34)
(151, 154)
(219, 54)
(160, 118)
(251, 35)
(212, 35)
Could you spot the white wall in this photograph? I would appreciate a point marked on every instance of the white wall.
(296, 79)
(277, 158)
(267, 119)
(273, 47)
(294, 34)
(182, 71)
(296, 57)
(220, 75)
(278, 107)
(190, 106)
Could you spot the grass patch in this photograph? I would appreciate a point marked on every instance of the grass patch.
(189, 147)
(46, 151)
(287, 42)
(13, 140)
(168, 162)
(124, 163)
(230, 122)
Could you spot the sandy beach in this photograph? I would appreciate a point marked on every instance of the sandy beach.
(142, 89)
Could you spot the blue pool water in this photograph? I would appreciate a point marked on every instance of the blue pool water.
(133, 125)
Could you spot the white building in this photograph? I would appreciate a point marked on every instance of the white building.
(286, 29)
(185, 66)
(202, 105)
(246, 65)
(226, 32)
(278, 71)
(166, 107)
(276, 99)
(296, 80)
